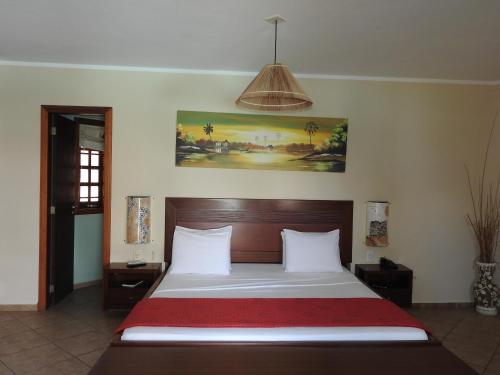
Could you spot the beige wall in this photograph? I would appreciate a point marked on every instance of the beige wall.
(495, 162)
(407, 144)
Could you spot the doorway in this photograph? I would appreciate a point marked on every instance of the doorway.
(75, 182)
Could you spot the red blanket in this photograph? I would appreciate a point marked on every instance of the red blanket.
(267, 313)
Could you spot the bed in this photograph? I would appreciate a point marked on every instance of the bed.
(257, 273)
(249, 280)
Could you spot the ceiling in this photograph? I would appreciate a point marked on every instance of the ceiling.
(441, 39)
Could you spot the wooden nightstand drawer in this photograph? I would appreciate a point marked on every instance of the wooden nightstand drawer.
(399, 297)
(392, 284)
(125, 298)
(124, 287)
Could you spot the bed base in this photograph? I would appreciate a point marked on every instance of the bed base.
(225, 359)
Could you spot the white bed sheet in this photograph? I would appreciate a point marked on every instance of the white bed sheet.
(270, 281)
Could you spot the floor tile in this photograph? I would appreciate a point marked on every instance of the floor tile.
(469, 351)
(491, 372)
(31, 360)
(105, 325)
(474, 339)
(12, 327)
(87, 314)
(40, 319)
(471, 337)
(450, 315)
(65, 329)
(84, 343)
(67, 367)
(4, 370)
(495, 362)
(75, 305)
(21, 341)
(92, 357)
(478, 369)
(439, 329)
(4, 316)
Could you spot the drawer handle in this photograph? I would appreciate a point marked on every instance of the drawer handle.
(132, 285)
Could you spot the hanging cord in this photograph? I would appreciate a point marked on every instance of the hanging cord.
(275, 38)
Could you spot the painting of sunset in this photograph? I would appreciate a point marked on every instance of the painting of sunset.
(230, 140)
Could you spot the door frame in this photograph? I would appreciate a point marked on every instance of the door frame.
(46, 110)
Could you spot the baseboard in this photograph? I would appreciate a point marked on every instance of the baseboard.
(87, 284)
(18, 307)
(445, 305)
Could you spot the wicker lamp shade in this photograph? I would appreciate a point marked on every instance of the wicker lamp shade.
(274, 89)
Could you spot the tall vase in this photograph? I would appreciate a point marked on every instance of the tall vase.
(485, 291)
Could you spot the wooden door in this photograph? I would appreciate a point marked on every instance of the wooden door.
(61, 203)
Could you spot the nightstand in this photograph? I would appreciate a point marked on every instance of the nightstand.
(123, 287)
(392, 284)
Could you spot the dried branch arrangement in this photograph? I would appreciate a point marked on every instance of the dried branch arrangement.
(485, 217)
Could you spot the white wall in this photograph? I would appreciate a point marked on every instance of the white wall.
(407, 144)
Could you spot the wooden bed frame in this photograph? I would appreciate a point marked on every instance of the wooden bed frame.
(257, 224)
(256, 238)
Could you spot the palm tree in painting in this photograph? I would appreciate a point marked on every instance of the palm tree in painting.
(310, 129)
(208, 129)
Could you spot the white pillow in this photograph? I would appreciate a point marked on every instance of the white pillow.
(201, 251)
(312, 251)
(227, 228)
(283, 250)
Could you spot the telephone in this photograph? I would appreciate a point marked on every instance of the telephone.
(387, 263)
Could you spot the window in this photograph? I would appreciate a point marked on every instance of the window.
(89, 192)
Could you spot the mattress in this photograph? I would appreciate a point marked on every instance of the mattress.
(268, 281)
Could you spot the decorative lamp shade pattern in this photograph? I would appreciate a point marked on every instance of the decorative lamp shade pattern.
(274, 89)
(138, 220)
(377, 214)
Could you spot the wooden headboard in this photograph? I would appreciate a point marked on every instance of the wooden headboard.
(257, 223)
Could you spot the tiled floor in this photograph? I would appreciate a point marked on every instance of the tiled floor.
(66, 339)
(70, 337)
(473, 338)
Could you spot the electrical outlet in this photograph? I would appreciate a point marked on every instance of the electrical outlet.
(370, 255)
(137, 254)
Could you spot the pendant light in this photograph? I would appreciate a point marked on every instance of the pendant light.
(275, 88)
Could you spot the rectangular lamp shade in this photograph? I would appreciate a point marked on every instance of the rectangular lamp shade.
(138, 219)
(377, 215)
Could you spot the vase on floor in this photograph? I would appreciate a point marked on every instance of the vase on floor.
(485, 291)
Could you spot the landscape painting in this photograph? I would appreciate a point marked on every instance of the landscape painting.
(230, 140)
